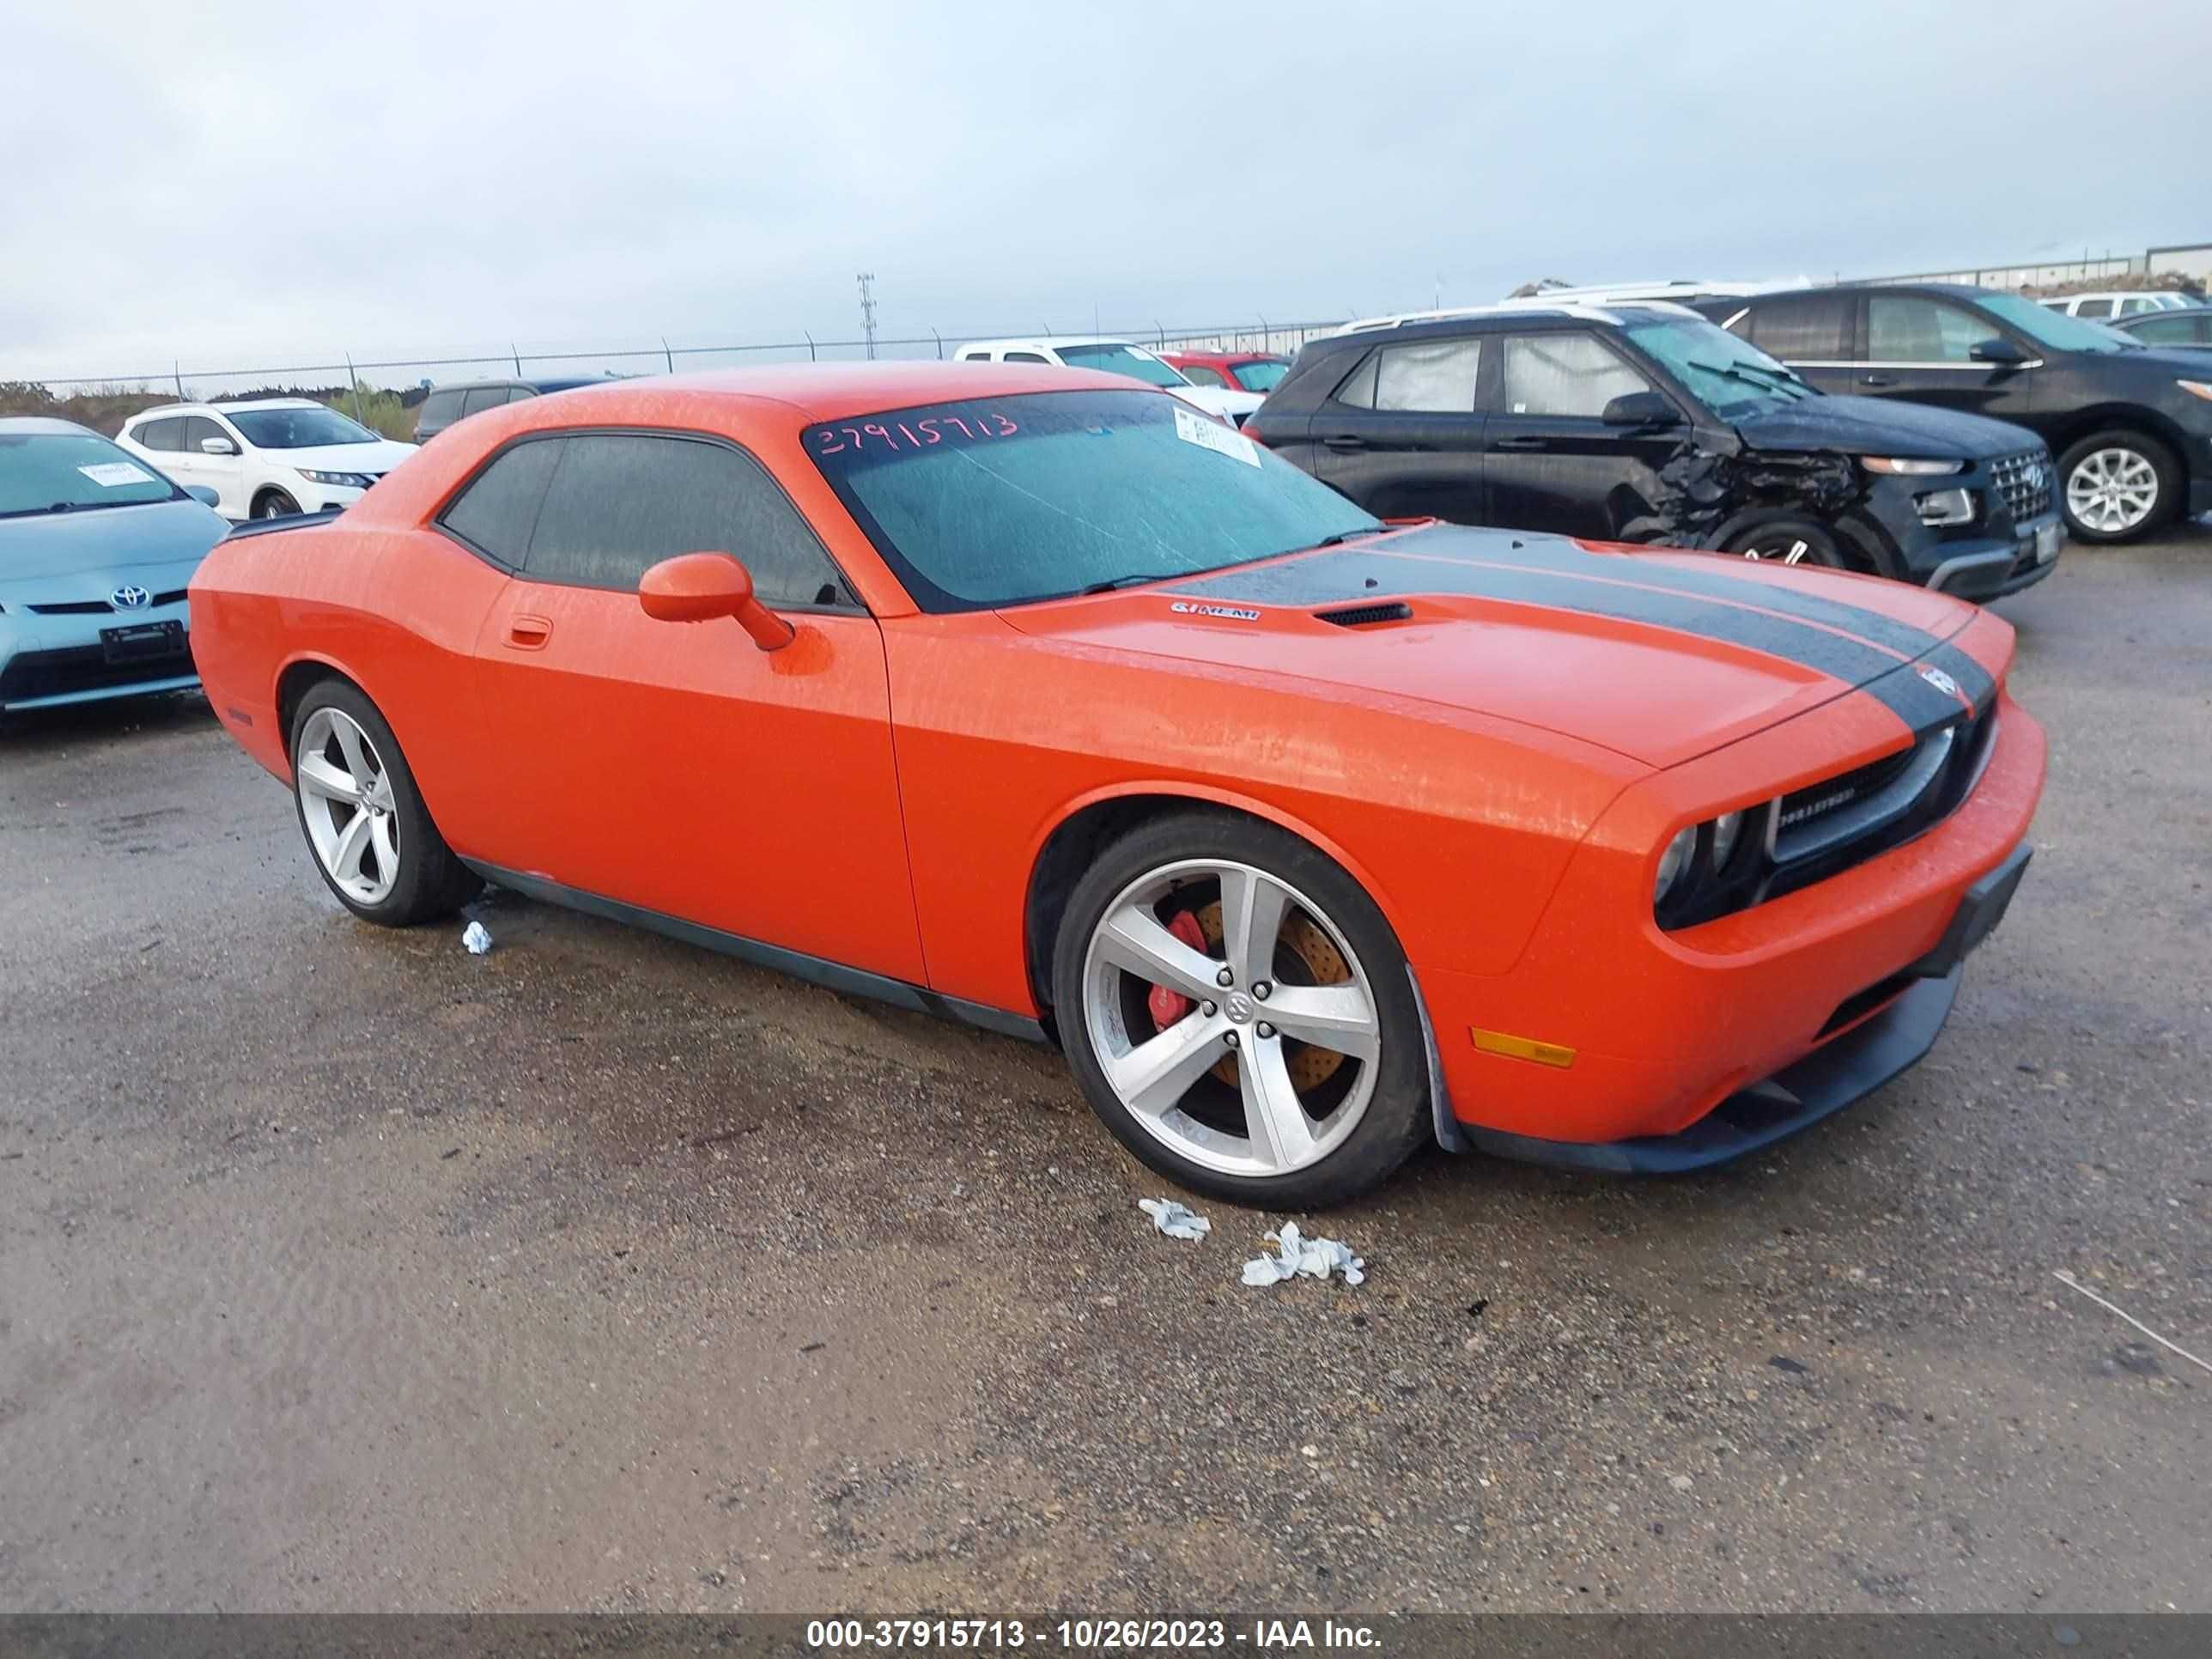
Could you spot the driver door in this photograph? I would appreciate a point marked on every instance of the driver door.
(675, 768)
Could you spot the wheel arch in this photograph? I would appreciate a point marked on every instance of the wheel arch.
(1069, 844)
(262, 491)
(298, 677)
(2140, 419)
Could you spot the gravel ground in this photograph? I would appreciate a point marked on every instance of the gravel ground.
(339, 1269)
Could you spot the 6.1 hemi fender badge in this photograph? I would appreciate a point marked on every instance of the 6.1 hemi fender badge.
(1235, 613)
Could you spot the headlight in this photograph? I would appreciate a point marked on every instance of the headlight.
(1673, 862)
(342, 480)
(2196, 388)
(1911, 469)
(1726, 829)
(1945, 507)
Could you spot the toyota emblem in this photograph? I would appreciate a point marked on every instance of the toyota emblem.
(1941, 681)
(130, 599)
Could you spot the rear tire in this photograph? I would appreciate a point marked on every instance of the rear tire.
(367, 829)
(2115, 486)
(1308, 1082)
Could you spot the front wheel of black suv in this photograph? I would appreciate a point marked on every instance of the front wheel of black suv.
(1790, 541)
(2115, 486)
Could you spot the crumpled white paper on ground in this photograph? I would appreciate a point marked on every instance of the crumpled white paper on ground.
(476, 938)
(1174, 1220)
(1311, 1258)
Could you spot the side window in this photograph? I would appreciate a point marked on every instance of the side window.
(1025, 357)
(496, 512)
(1907, 329)
(2136, 306)
(2094, 308)
(1807, 328)
(518, 394)
(440, 409)
(1200, 374)
(1436, 378)
(164, 434)
(1357, 389)
(619, 503)
(197, 430)
(2167, 329)
(1564, 374)
(483, 398)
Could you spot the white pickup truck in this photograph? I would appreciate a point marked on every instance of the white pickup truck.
(1115, 357)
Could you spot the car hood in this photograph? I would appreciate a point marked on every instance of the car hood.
(1883, 426)
(64, 557)
(1219, 400)
(1662, 657)
(377, 458)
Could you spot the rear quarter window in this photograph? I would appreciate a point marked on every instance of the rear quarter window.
(497, 511)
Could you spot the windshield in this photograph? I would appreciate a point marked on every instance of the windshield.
(73, 472)
(1731, 377)
(298, 429)
(1002, 500)
(2052, 328)
(1117, 359)
(1263, 376)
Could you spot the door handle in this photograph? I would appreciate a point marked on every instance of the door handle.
(1341, 440)
(1876, 380)
(1520, 443)
(528, 633)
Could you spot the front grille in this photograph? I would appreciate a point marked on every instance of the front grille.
(101, 607)
(1817, 801)
(34, 674)
(2022, 482)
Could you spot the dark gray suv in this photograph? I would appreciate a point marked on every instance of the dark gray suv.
(1646, 422)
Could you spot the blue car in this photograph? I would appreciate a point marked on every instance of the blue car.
(96, 549)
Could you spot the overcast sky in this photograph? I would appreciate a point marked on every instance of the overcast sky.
(269, 184)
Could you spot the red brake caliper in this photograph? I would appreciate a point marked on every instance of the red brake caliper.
(1168, 1006)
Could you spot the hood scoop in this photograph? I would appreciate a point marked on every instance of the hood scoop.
(1362, 616)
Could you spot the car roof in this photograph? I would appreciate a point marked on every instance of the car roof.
(1222, 356)
(45, 426)
(556, 383)
(1512, 311)
(267, 402)
(830, 392)
(1055, 343)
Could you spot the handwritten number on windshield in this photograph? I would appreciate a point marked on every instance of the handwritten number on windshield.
(915, 434)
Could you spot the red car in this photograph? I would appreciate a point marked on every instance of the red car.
(1035, 698)
(1239, 371)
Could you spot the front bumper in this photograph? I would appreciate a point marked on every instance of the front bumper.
(1664, 1027)
(1882, 1046)
(49, 662)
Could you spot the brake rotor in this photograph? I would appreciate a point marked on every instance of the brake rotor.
(1324, 964)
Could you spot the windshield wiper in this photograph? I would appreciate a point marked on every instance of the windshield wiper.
(1752, 374)
(1344, 536)
(1136, 579)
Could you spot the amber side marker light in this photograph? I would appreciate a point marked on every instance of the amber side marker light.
(1521, 1047)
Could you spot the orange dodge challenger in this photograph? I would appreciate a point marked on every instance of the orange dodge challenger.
(1037, 698)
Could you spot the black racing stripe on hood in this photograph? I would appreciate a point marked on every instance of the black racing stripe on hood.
(1909, 696)
(1975, 683)
(1369, 576)
(1723, 581)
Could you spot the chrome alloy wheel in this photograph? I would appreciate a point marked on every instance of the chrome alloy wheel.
(345, 801)
(2112, 490)
(1264, 1071)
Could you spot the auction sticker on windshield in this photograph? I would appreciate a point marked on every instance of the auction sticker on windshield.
(109, 474)
(1212, 434)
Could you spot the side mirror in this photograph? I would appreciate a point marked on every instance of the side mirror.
(1646, 408)
(1998, 350)
(703, 587)
(217, 446)
(204, 495)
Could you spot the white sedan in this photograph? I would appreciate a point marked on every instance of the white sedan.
(1115, 357)
(266, 458)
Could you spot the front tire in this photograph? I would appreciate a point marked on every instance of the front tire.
(1790, 541)
(274, 504)
(2115, 486)
(367, 829)
(1239, 1014)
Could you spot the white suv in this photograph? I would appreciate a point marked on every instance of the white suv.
(2099, 307)
(265, 459)
(1115, 357)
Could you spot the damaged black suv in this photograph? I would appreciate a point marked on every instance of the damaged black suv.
(1646, 422)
